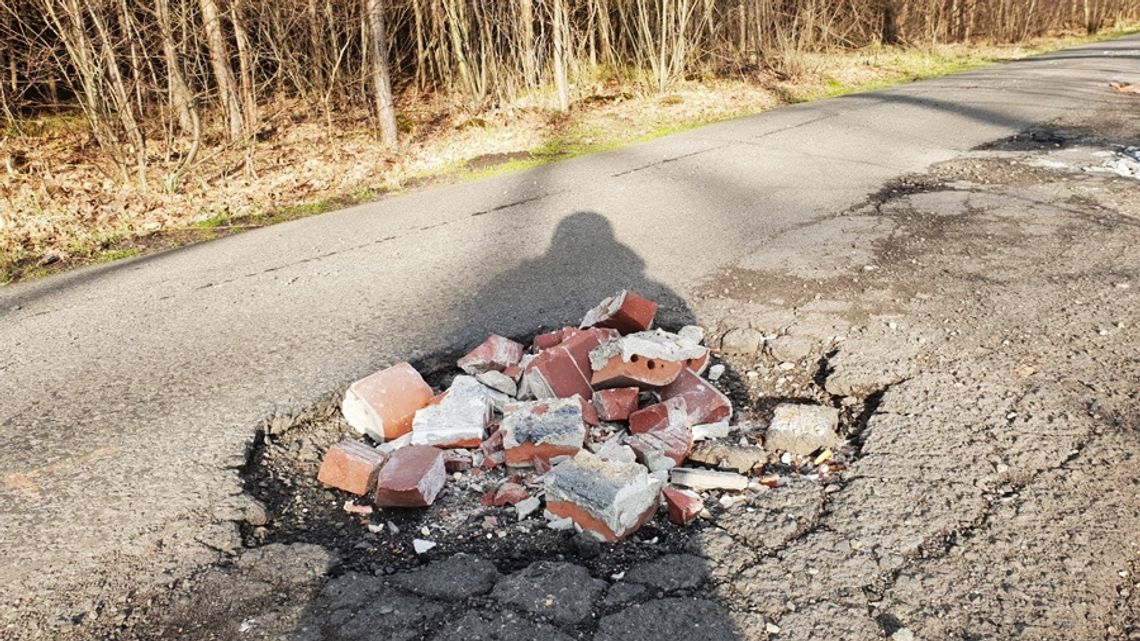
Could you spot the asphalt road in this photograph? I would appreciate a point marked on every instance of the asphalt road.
(129, 392)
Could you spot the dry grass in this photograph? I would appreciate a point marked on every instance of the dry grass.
(60, 209)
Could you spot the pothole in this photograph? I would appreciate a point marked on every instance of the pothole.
(284, 461)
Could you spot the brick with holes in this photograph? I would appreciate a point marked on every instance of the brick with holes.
(644, 359)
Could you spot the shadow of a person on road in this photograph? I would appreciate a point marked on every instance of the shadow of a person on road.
(584, 263)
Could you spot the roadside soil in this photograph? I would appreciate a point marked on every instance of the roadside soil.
(978, 325)
(59, 209)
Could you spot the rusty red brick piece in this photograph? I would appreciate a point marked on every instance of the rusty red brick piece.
(412, 477)
(496, 353)
(350, 466)
(683, 505)
(657, 416)
(383, 405)
(458, 460)
(616, 404)
(509, 494)
(625, 311)
(551, 339)
(704, 403)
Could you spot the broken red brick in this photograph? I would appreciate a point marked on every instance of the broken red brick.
(704, 403)
(625, 311)
(698, 365)
(683, 505)
(383, 405)
(412, 477)
(496, 353)
(656, 416)
(552, 339)
(664, 447)
(509, 494)
(610, 500)
(564, 370)
(492, 449)
(457, 460)
(350, 466)
(643, 372)
(616, 404)
(589, 413)
(542, 430)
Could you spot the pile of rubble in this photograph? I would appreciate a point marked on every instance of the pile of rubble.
(604, 423)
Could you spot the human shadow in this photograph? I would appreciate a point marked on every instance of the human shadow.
(584, 263)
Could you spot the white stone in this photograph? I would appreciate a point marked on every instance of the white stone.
(527, 506)
(499, 382)
(692, 333)
(422, 545)
(715, 372)
(699, 479)
(710, 430)
(802, 429)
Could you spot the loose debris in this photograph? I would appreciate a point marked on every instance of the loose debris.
(597, 423)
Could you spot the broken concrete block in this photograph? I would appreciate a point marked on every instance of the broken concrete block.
(742, 340)
(387, 447)
(383, 405)
(663, 448)
(542, 430)
(494, 355)
(412, 477)
(350, 466)
(616, 404)
(644, 359)
(683, 505)
(742, 459)
(802, 429)
(659, 415)
(499, 382)
(699, 479)
(608, 500)
(705, 403)
(706, 431)
(564, 370)
(614, 450)
(625, 311)
(459, 420)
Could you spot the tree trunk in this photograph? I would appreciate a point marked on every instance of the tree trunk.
(381, 78)
(560, 82)
(223, 74)
(180, 96)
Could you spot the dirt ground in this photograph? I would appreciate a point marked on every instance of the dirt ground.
(977, 324)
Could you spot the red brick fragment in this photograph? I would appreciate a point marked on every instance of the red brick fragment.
(656, 416)
(383, 405)
(589, 413)
(704, 403)
(496, 353)
(663, 448)
(350, 466)
(564, 370)
(492, 448)
(640, 371)
(551, 339)
(412, 477)
(683, 505)
(509, 494)
(616, 404)
(698, 365)
(458, 460)
(625, 311)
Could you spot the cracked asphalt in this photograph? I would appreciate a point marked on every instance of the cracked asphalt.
(957, 255)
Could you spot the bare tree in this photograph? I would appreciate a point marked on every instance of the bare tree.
(381, 76)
